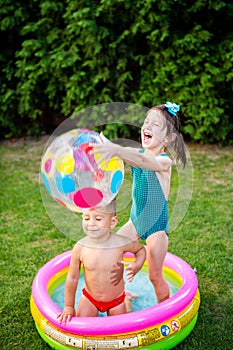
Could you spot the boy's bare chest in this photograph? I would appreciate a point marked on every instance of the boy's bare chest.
(99, 259)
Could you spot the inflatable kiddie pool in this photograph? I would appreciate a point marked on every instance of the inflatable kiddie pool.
(161, 326)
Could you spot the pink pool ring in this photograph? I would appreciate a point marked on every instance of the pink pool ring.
(161, 326)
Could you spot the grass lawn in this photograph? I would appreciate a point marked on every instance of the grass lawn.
(28, 239)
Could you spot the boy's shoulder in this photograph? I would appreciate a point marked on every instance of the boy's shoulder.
(120, 240)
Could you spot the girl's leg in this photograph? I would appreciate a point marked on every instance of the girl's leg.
(157, 246)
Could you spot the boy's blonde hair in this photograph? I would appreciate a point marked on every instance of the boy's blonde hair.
(109, 208)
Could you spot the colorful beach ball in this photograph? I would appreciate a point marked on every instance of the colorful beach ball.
(73, 177)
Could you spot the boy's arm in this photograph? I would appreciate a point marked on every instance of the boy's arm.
(71, 286)
(139, 251)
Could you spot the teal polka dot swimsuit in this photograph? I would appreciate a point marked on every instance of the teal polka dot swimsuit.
(149, 211)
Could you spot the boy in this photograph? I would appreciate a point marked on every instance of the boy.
(100, 252)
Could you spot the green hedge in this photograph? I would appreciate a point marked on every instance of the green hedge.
(61, 56)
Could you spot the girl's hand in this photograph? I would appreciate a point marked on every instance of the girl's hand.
(66, 315)
(103, 138)
(107, 149)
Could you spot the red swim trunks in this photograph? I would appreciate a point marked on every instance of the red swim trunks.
(103, 306)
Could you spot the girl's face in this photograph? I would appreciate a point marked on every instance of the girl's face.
(97, 224)
(153, 131)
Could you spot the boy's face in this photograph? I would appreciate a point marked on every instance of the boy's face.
(97, 223)
(153, 130)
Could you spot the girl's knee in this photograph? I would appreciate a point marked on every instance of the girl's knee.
(156, 277)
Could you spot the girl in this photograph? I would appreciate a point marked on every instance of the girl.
(151, 174)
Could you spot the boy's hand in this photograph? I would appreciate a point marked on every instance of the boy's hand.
(117, 273)
(66, 315)
(131, 270)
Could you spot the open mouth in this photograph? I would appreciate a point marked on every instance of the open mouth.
(147, 135)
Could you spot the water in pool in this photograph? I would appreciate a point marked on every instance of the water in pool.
(141, 287)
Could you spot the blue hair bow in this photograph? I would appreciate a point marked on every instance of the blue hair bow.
(172, 108)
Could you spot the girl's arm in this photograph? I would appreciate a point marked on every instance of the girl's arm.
(132, 156)
(71, 286)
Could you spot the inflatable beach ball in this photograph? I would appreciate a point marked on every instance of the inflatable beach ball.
(73, 177)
